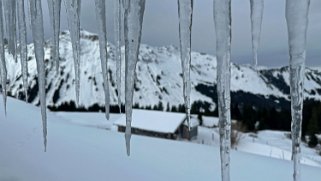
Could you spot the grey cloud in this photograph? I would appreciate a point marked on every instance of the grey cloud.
(161, 28)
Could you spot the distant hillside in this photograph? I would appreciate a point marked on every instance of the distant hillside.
(158, 81)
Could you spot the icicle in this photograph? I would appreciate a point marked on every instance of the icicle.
(257, 7)
(28, 17)
(101, 16)
(38, 40)
(117, 26)
(73, 12)
(134, 13)
(124, 5)
(297, 22)
(185, 13)
(222, 21)
(3, 68)
(9, 7)
(54, 12)
(22, 31)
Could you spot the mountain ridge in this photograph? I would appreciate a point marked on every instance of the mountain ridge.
(158, 79)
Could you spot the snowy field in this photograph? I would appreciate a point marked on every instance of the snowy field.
(267, 143)
(78, 150)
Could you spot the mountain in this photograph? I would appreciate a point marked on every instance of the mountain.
(158, 79)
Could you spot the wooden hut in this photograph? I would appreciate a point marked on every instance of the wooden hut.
(159, 124)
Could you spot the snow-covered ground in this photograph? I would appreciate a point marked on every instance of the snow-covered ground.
(79, 150)
(274, 144)
(89, 119)
(267, 143)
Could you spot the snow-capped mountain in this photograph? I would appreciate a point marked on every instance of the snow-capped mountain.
(158, 78)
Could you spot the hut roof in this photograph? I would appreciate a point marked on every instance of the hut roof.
(156, 121)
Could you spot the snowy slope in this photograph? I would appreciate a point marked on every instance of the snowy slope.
(82, 153)
(273, 144)
(158, 79)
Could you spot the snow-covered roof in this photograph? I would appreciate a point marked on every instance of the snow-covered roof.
(157, 121)
(194, 121)
(210, 121)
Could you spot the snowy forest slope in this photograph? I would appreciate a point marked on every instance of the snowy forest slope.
(158, 79)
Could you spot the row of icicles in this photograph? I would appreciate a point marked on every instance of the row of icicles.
(128, 26)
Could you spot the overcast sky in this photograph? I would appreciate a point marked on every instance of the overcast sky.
(160, 28)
